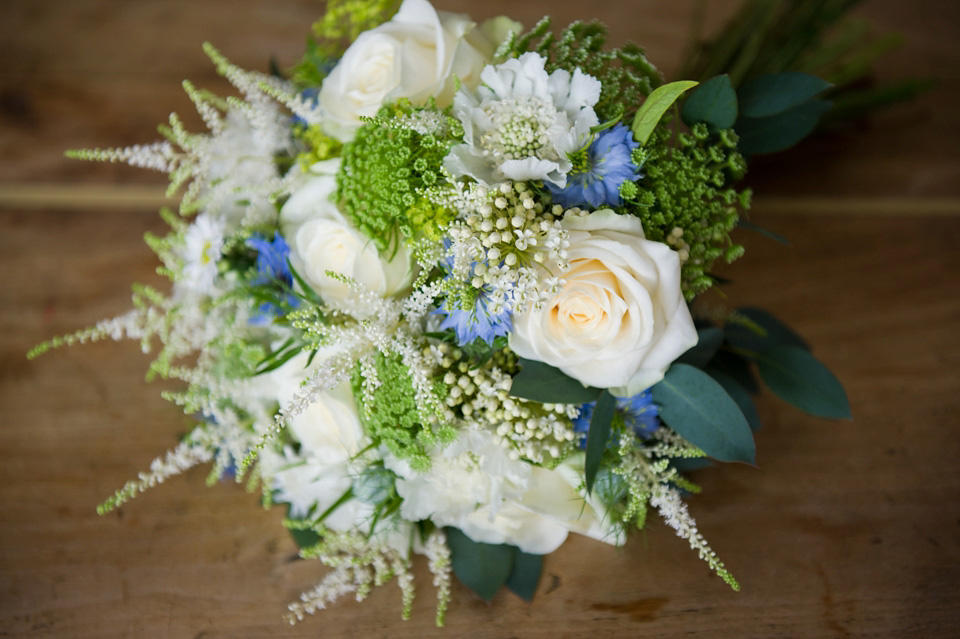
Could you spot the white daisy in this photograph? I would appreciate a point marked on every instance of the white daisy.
(201, 252)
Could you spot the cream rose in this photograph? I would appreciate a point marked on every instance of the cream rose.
(620, 320)
(324, 240)
(331, 438)
(415, 55)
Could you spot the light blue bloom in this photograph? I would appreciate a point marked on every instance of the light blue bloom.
(639, 414)
(605, 166)
(475, 323)
(273, 271)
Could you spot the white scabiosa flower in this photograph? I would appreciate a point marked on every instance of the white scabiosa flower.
(522, 123)
(202, 244)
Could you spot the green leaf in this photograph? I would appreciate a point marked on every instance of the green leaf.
(526, 575)
(714, 103)
(543, 383)
(797, 377)
(482, 568)
(708, 343)
(781, 131)
(774, 331)
(653, 108)
(304, 538)
(774, 93)
(738, 394)
(598, 436)
(697, 407)
(738, 367)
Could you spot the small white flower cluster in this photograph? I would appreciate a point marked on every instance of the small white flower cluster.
(509, 236)
(541, 433)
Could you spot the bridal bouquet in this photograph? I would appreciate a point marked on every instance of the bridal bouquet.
(434, 293)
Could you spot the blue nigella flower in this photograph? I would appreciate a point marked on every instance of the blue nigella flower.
(639, 413)
(596, 177)
(475, 323)
(274, 271)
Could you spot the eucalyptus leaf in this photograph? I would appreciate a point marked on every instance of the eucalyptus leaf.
(708, 343)
(781, 131)
(737, 367)
(701, 411)
(543, 383)
(525, 578)
(599, 436)
(482, 568)
(738, 394)
(774, 331)
(797, 377)
(653, 108)
(714, 103)
(774, 93)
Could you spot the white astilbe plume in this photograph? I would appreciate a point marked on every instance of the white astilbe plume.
(231, 171)
(438, 560)
(358, 563)
(650, 478)
(197, 448)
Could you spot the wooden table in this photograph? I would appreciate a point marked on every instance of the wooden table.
(846, 529)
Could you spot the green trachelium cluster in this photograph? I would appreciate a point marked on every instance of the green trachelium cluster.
(685, 198)
(541, 433)
(390, 413)
(386, 167)
(625, 73)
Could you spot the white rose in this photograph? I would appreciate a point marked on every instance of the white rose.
(620, 319)
(415, 55)
(556, 494)
(324, 240)
(331, 437)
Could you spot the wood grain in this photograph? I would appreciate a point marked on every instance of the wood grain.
(847, 529)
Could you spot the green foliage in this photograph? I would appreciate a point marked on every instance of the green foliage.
(781, 131)
(653, 108)
(687, 187)
(484, 568)
(754, 329)
(317, 145)
(543, 383)
(384, 168)
(795, 376)
(525, 576)
(700, 410)
(713, 103)
(738, 394)
(626, 74)
(601, 423)
(393, 417)
(344, 20)
(775, 93)
(709, 340)
(816, 37)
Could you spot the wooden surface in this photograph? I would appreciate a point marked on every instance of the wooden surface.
(846, 529)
